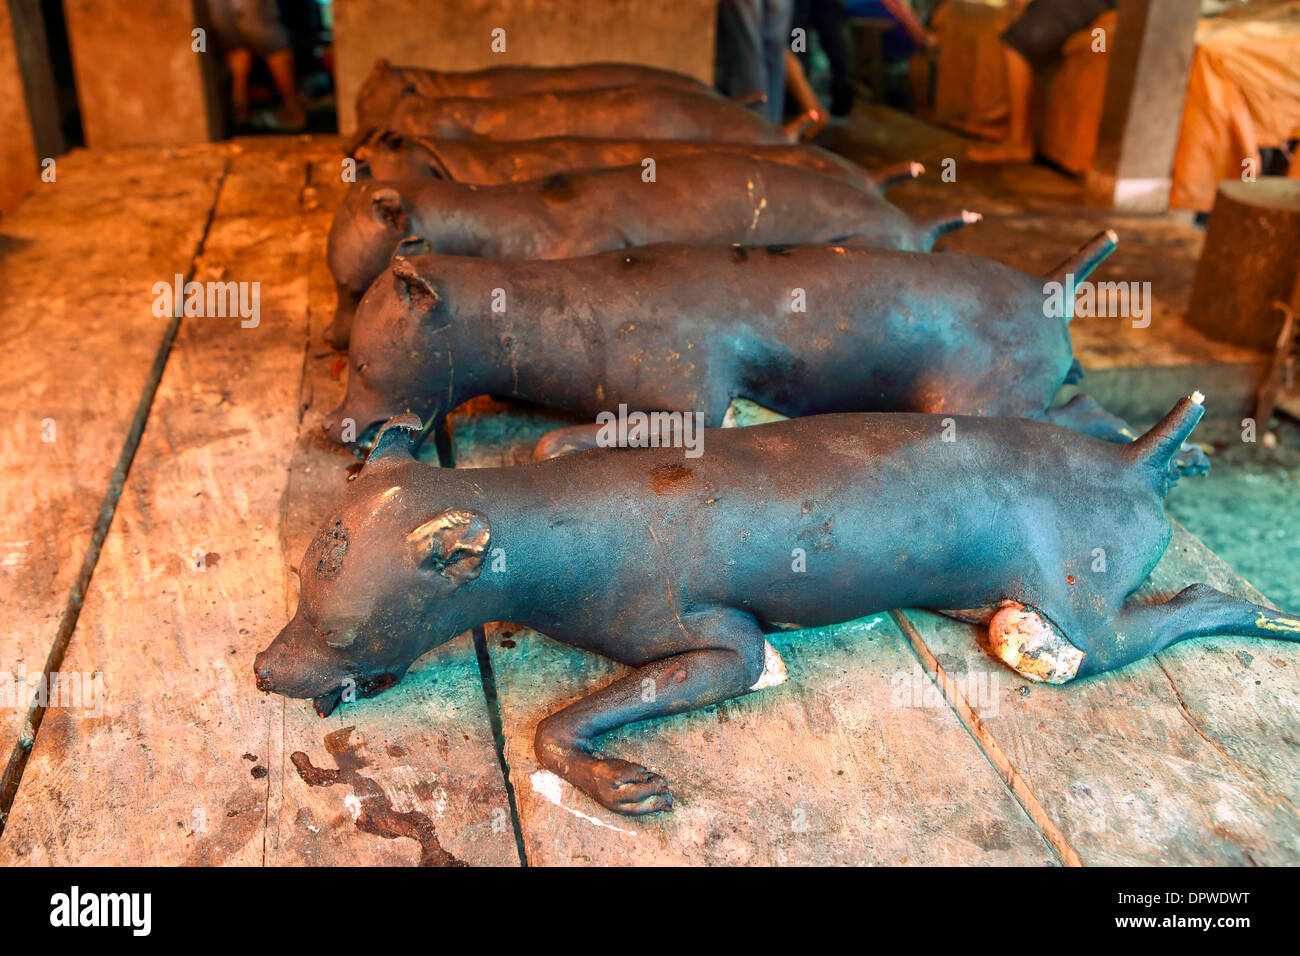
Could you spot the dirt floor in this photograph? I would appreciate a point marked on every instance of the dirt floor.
(1245, 509)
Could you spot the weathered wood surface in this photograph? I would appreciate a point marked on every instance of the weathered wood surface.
(854, 760)
(78, 261)
(859, 757)
(1189, 757)
(188, 762)
(139, 81)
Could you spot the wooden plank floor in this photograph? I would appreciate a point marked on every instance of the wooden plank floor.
(1187, 757)
(834, 767)
(896, 740)
(188, 762)
(81, 340)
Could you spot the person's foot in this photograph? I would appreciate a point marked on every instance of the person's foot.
(287, 119)
(991, 131)
(805, 126)
(1004, 152)
(998, 114)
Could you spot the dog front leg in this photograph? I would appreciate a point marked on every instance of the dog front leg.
(659, 432)
(738, 662)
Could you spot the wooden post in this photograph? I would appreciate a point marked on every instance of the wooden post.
(139, 80)
(28, 111)
(1150, 60)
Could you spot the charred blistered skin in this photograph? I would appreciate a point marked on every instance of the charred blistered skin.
(799, 330)
(1032, 646)
(385, 154)
(701, 198)
(616, 551)
(649, 112)
(386, 84)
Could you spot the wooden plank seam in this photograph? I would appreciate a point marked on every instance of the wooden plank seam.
(488, 677)
(1265, 786)
(447, 459)
(17, 763)
(989, 745)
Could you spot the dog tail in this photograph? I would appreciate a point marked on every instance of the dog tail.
(437, 164)
(795, 128)
(1080, 265)
(894, 175)
(750, 100)
(1151, 453)
(935, 228)
(1090, 255)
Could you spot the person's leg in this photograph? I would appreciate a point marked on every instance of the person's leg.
(777, 17)
(280, 63)
(740, 71)
(240, 63)
(812, 115)
(830, 17)
(918, 79)
(236, 54)
(1033, 40)
(264, 33)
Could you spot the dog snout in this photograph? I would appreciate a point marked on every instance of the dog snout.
(262, 671)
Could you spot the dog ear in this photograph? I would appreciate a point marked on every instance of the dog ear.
(396, 439)
(351, 146)
(413, 289)
(452, 543)
(386, 207)
(413, 246)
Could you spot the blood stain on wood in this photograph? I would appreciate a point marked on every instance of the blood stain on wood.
(375, 815)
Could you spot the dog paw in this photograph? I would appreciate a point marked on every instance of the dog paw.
(1189, 461)
(629, 788)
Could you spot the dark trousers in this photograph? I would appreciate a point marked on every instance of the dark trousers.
(753, 36)
(828, 18)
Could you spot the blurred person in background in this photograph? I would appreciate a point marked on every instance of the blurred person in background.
(828, 19)
(902, 47)
(248, 28)
(1033, 39)
(753, 39)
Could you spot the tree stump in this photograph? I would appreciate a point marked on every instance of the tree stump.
(1250, 260)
